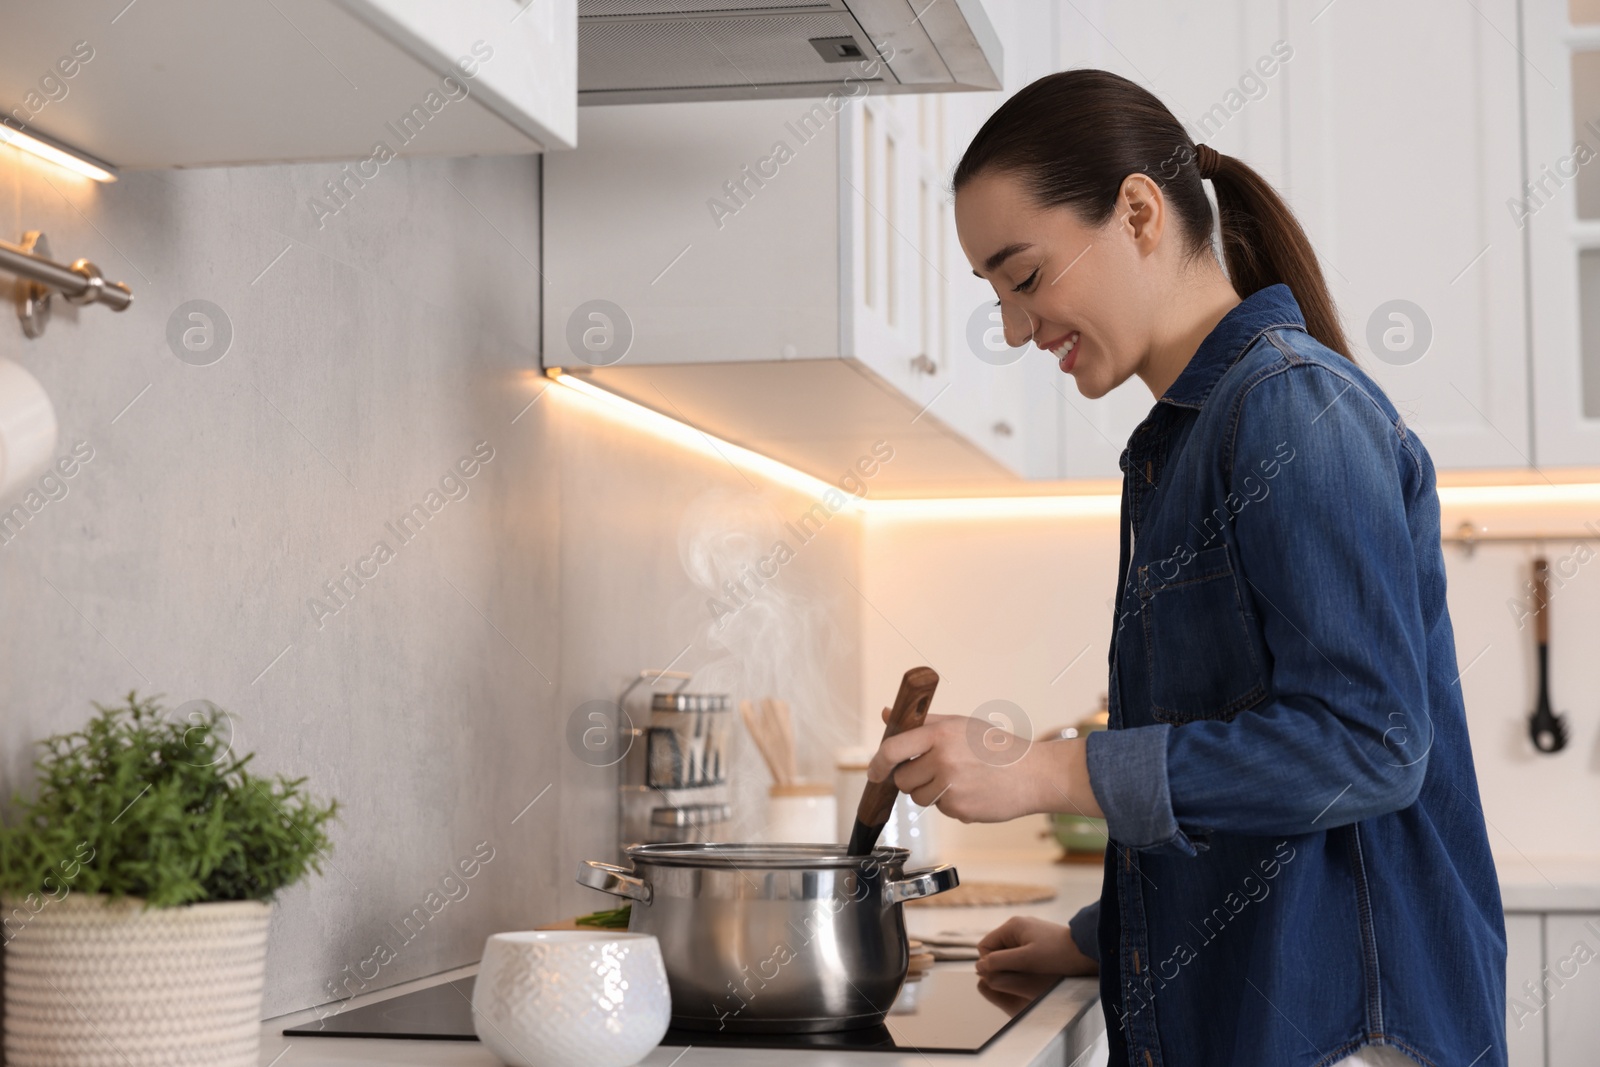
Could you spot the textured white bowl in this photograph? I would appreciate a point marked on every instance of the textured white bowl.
(571, 998)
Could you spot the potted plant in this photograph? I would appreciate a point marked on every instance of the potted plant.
(135, 892)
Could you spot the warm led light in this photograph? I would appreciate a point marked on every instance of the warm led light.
(1072, 506)
(61, 157)
(670, 429)
(1056, 506)
(1518, 495)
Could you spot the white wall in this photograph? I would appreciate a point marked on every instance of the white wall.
(1001, 606)
(367, 358)
(1014, 609)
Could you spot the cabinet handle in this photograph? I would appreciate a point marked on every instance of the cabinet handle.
(923, 365)
(1002, 428)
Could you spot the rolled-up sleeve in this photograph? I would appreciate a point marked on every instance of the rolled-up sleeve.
(1128, 774)
(1328, 561)
(1084, 927)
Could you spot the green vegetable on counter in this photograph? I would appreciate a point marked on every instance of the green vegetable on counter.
(612, 919)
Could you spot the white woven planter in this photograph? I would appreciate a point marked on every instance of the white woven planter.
(94, 984)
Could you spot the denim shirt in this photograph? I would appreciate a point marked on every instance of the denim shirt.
(1298, 862)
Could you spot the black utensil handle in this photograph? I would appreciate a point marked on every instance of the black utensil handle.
(1547, 729)
(909, 712)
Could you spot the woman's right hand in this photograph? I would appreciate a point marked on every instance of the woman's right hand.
(950, 762)
(1023, 943)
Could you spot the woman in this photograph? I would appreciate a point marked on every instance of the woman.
(1298, 871)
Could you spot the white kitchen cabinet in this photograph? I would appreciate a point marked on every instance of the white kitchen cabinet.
(1400, 167)
(185, 83)
(1524, 963)
(1572, 970)
(1014, 407)
(786, 274)
(729, 264)
(1560, 208)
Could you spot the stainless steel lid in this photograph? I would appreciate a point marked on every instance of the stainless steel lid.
(747, 855)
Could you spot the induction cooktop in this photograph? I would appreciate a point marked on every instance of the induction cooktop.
(947, 1010)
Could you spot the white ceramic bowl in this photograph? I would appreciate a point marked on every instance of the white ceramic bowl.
(571, 998)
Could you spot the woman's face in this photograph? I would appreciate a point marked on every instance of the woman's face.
(1082, 294)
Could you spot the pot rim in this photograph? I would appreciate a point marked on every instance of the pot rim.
(737, 855)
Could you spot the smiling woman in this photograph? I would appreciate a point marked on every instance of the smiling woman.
(1273, 646)
(1095, 285)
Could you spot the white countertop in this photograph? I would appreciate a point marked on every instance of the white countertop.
(1549, 883)
(1057, 1030)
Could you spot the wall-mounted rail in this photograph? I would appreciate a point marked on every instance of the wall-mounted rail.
(42, 277)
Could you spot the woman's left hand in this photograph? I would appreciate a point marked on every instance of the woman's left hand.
(1029, 945)
(976, 772)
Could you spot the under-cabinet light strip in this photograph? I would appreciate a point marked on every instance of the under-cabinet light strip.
(681, 433)
(53, 151)
(1524, 495)
(1060, 505)
(1052, 506)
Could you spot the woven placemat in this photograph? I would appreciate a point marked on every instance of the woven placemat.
(986, 894)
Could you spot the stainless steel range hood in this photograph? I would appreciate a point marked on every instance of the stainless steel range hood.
(645, 51)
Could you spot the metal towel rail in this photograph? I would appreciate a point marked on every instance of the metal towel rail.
(80, 283)
(1469, 537)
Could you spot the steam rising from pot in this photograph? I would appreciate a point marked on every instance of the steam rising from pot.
(764, 627)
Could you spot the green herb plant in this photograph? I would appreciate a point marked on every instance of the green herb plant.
(136, 805)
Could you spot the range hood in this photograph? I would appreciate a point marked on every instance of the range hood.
(647, 51)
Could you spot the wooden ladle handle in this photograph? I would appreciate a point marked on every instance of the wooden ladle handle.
(910, 709)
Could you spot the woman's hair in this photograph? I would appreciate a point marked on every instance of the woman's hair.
(1075, 135)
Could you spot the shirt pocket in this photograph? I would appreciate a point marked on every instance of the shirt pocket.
(1200, 657)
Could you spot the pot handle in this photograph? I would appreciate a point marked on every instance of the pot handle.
(609, 878)
(920, 884)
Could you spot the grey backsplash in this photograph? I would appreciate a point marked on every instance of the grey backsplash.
(367, 357)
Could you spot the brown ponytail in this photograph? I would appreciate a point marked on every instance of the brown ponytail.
(1263, 243)
(1073, 136)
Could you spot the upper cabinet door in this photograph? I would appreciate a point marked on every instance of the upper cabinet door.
(911, 293)
(1007, 401)
(1560, 207)
(535, 88)
(1403, 151)
(189, 83)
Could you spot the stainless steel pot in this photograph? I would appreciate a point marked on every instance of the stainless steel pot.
(765, 938)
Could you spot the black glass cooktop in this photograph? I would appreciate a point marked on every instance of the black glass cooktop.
(947, 1010)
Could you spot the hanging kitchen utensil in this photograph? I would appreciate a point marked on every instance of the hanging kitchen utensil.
(1548, 730)
(877, 800)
